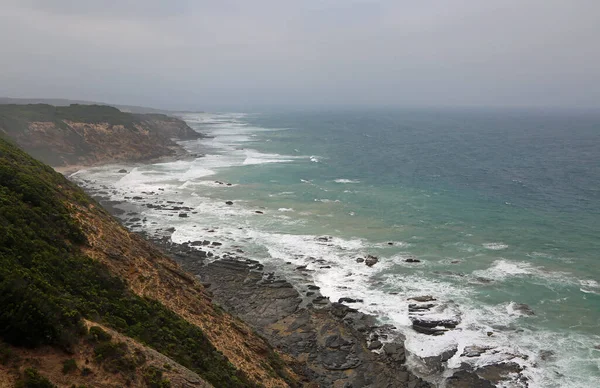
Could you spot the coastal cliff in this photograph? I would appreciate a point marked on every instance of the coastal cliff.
(84, 301)
(91, 134)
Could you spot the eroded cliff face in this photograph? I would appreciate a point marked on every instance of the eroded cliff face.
(65, 264)
(150, 273)
(62, 136)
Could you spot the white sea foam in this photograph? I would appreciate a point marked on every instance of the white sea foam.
(495, 246)
(347, 181)
(503, 269)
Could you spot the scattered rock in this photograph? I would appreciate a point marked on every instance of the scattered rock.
(259, 212)
(323, 238)
(216, 244)
(371, 260)
(390, 243)
(229, 203)
(122, 171)
(313, 287)
(411, 260)
(183, 215)
(360, 260)
(490, 333)
(170, 230)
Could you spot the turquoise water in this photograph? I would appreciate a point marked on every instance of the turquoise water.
(499, 207)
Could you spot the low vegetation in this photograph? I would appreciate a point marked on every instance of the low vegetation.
(47, 285)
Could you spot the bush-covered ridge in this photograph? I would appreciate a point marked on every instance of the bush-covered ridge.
(18, 116)
(47, 286)
(91, 134)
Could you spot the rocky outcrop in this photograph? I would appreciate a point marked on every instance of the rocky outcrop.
(332, 344)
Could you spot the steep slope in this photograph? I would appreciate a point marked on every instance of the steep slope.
(64, 261)
(91, 134)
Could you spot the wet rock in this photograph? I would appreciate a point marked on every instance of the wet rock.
(395, 352)
(371, 260)
(597, 347)
(325, 267)
(436, 363)
(183, 215)
(135, 219)
(374, 345)
(360, 260)
(170, 230)
(390, 243)
(137, 198)
(424, 298)
(216, 244)
(259, 212)
(349, 300)
(413, 307)
(498, 372)
(229, 203)
(474, 351)
(323, 238)
(464, 379)
(313, 287)
(122, 171)
(411, 260)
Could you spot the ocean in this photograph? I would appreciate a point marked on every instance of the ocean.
(499, 211)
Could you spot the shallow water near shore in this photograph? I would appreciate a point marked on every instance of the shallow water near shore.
(500, 209)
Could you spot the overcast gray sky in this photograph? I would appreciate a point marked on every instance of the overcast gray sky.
(192, 54)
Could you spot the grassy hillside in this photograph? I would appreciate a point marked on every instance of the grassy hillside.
(49, 285)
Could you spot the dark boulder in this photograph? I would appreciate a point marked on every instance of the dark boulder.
(371, 260)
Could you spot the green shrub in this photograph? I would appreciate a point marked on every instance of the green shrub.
(97, 334)
(153, 377)
(32, 379)
(69, 366)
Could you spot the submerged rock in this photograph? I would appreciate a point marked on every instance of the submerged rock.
(122, 171)
(523, 308)
(229, 203)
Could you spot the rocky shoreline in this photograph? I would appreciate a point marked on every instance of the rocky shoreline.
(333, 344)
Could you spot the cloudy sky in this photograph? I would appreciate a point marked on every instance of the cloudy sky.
(220, 54)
